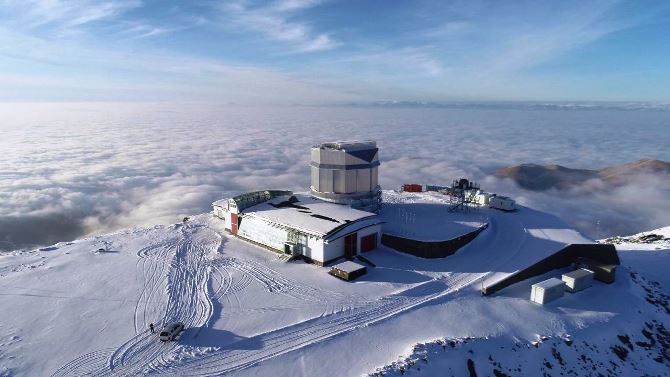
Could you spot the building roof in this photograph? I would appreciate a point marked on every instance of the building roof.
(579, 273)
(549, 283)
(305, 213)
(221, 203)
(349, 145)
(348, 266)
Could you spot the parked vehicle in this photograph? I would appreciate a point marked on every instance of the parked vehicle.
(171, 331)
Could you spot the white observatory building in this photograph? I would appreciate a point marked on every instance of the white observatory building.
(346, 172)
(321, 227)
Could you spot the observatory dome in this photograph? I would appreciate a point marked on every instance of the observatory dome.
(346, 172)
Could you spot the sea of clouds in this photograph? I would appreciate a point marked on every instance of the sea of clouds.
(71, 170)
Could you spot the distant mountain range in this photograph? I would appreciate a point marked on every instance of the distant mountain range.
(544, 177)
(586, 106)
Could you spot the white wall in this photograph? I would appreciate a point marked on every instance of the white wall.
(333, 249)
(224, 215)
(314, 249)
(502, 203)
(363, 180)
(483, 198)
(260, 231)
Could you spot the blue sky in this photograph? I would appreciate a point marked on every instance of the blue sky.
(325, 52)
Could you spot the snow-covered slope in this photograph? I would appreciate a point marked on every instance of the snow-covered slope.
(69, 310)
(621, 329)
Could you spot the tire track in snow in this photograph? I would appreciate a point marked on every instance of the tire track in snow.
(185, 267)
(274, 282)
(86, 364)
(297, 336)
(190, 301)
(157, 259)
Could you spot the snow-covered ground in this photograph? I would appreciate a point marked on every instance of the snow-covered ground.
(425, 216)
(68, 310)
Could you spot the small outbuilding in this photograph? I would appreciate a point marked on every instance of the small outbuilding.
(578, 279)
(348, 270)
(503, 203)
(483, 198)
(547, 291)
(604, 272)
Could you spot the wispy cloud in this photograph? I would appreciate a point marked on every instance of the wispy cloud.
(433, 52)
(66, 15)
(139, 30)
(278, 21)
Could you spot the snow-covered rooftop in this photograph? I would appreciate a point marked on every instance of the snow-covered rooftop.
(221, 203)
(348, 266)
(579, 273)
(349, 145)
(307, 213)
(425, 216)
(549, 283)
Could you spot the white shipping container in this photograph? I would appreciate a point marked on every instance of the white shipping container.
(483, 198)
(547, 291)
(578, 279)
(502, 202)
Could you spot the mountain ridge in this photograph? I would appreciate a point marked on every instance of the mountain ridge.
(536, 177)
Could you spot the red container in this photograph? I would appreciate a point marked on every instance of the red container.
(412, 187)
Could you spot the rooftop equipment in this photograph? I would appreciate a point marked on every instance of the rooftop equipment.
(547, 291)
(578, 279)
(346, 172)
(464, 184)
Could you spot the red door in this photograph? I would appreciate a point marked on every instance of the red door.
(233, 223)
(350, 245)
(369, 242)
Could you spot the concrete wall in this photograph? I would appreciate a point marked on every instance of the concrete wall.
(374, 177)
(430, 249)
(363, 180)
(350, 183)
(315, 178)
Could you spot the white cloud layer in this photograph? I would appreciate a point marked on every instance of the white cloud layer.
(70, 170)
